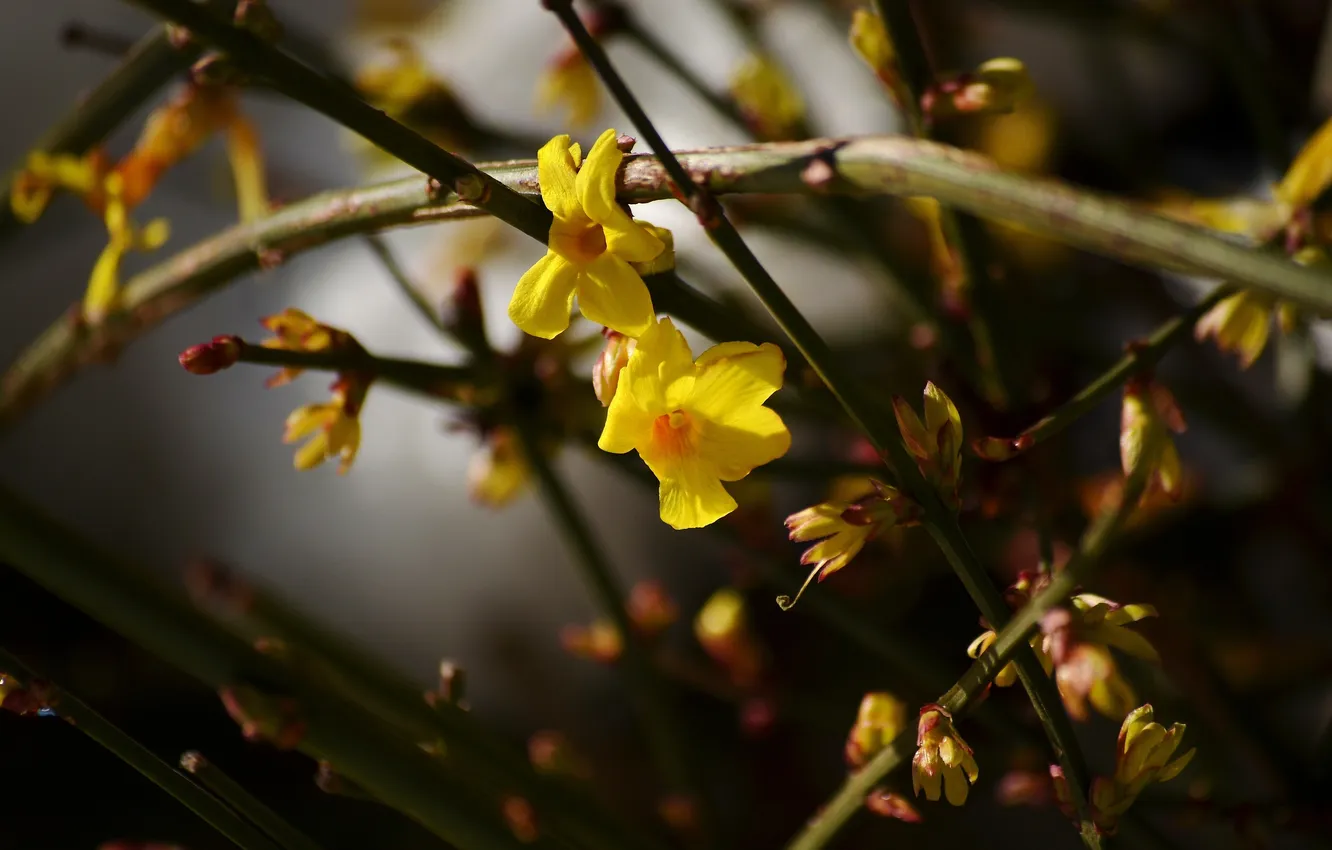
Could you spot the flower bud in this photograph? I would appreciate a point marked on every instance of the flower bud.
(890, 804)
(881, 718)
(463, 312)
(606, 371)
(328, 780)
(1149, 414)
(263, 717)
(936, 443)
(651, 608)
(722, 628)
(211, 357)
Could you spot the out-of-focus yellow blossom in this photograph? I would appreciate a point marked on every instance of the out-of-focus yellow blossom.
(592, 243)
(293, 330)
(600, 641)
(570, 82)
(936, 444)
(1024, 141)
(1241, 323)
(943, 761)
(869, 39)
(998, 85)
(407, 90)
(123, 236)
(697, 423)
(722, 629)
(768, 100)
(43, 173)
(1149, 415)
(334, 427)
(1008, 675)
(881, 718)
(1078, 641)
(497, 472)
(1144, 756)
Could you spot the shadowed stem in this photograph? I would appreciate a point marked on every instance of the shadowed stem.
(214, 812)
(871, 418)
(961, 697)
(1140, 357)
(432, 379)
(234, 795)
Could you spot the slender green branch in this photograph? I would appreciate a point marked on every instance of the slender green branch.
(961, 697)
(890, 164)
(870, 417)
(234, 795)
(1138, 358)
(436, 380)
(214, 812)
(667, 739)
(430, 312)
(458, 799)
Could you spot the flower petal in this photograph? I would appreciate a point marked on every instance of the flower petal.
(1311, 171)
(555, 170)
(661, 368)
(734, 378)
(544, 296)
(955, 785)
(627, 426)
(753, 436)
(612, 294)
(691, 494)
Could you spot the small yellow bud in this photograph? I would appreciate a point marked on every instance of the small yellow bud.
(882, 717)
(943, 762)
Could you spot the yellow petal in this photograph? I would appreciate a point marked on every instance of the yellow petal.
(1177, 766)
(612, 294)
(736, 377)
(628, 425)
(751, 437)
(247, 169)
(312, 453)
(691, 495)
(555, 170)
(104, 282)
(596, 179)
(1311, 171)
(955, 786)
(661, 369)
(544, 296)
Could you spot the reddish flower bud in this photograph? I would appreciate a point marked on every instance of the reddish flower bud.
(521, 818)
(890, 804)
(263, 717)
(211, 357)
(651, 608)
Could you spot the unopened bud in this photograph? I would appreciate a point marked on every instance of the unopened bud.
(463, 313)
(722, 628)
(651, 608)
(211, 357)
(551, 752)
(889, 804)
(881, 718)
(263, 717)
(606, 371)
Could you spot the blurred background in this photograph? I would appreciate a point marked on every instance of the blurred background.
(1135, 97)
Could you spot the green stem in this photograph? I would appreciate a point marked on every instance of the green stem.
(892, 164)
(79, 715)
(234, 795)
(1140, 357)
(432, 379)
(430, 312)
(458, 799)
(961, 697)
(666, 737)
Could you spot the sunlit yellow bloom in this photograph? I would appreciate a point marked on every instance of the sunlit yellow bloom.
(1149, 415)
(123, 236)
(936, 444)
(592, 243)
(943, 761)
(1143, 757)
(697, 423)
(1239, 324)
(880, 719)
(335, 426)
(497, 472)
(569, 81)
(770, 102)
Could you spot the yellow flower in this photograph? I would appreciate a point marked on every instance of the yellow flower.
(881, 718)
(1239, 324)
(1078, 641)
(1008, 675)
(869, 39)
(295, 331)
(722, 629)
(592, 243)
(936, 444)
(769, 101)
(570, 81)
(697, 423)
(123, 236)
(1149, 415)
(943, 761)
(1143, 757)
(44, 172)
(497, 472)
(335, 426)
(839, 540)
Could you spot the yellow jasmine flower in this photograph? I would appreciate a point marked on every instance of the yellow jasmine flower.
(936, 444)
(1149, 415)
(592, 243)
(570, 81)
(723, 629)
(44, 172)
(1078, 640)
(697, 423)
(497, 473)
(335, 426)
(123, 236)
(295, 331)
(1239, 324)
(770, 102)
(839, 540)
(1008, 675)
(880, 719)
(943, 761)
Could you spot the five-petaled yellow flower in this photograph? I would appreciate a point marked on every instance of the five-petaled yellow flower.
(593, 241)
(697, 423)
(334, 427)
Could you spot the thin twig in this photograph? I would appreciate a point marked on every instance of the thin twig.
(214, 812)
(871, 418)
(1139, 357)
(246, 804)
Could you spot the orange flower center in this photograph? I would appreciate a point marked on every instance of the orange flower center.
(673, 434)
(580, 244)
